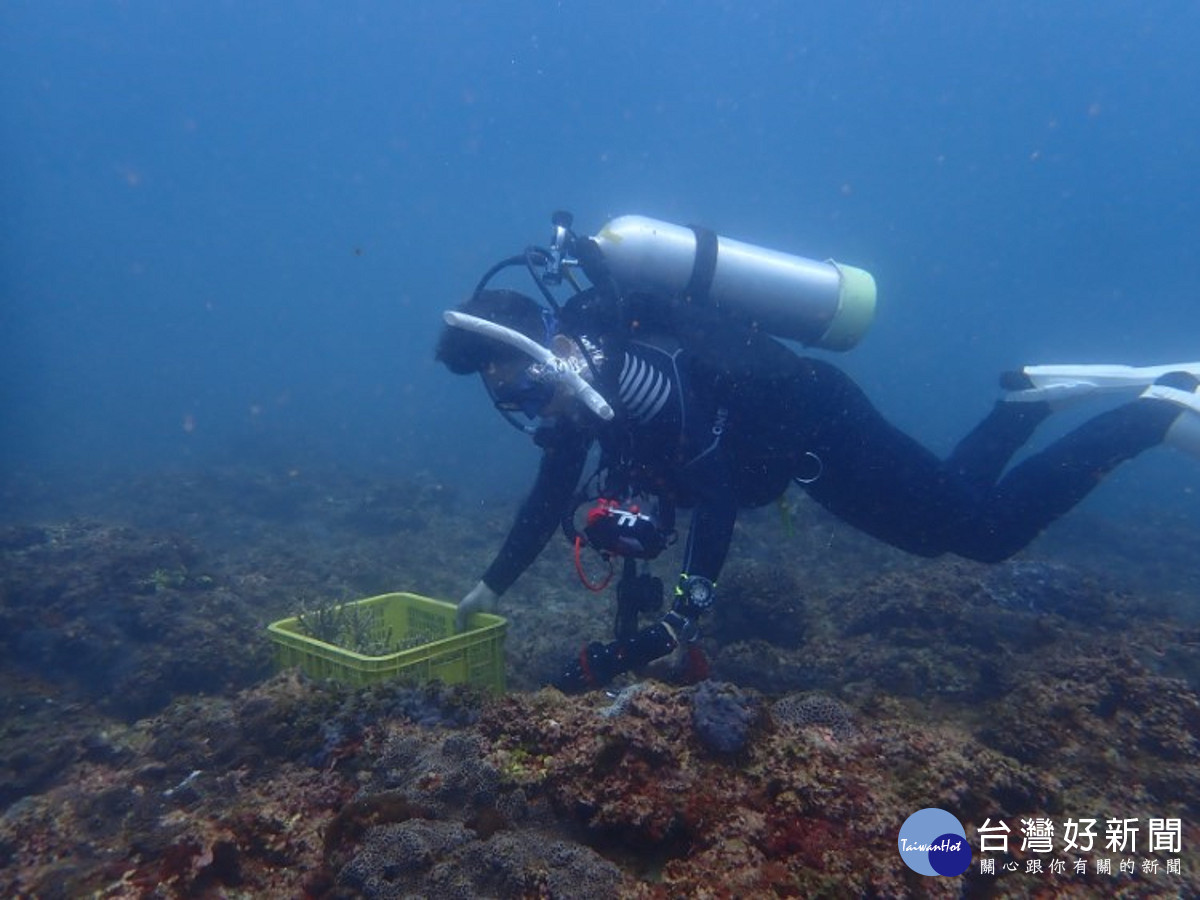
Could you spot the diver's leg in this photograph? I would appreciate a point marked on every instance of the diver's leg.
(883, 482)
(1048, 484)
(982, 455)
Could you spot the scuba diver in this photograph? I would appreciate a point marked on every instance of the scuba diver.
(669, 362)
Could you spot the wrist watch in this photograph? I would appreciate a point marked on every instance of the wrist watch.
(697, 592)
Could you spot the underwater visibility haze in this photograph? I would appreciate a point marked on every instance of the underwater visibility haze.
(230, 232)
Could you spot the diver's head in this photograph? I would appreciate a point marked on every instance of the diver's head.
(515, 382)
(465, 352)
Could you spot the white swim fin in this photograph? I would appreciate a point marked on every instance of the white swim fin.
(1184, 433)
(1062, 385)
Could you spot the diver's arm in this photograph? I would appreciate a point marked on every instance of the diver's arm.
(711, 530)
(542, 512)
(710, 480)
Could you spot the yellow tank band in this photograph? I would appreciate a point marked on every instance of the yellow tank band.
(856, 308)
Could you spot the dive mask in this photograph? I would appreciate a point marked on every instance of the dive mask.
(525, 394)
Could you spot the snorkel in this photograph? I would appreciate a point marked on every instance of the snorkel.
(565, 373)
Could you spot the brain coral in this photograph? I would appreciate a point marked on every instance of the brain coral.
(815, 709)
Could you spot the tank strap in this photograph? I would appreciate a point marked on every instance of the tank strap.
(704, 264)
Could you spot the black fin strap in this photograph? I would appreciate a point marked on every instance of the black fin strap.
(704, 265)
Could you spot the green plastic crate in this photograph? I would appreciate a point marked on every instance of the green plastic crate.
(473, 657)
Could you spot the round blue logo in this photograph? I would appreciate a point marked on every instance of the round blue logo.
(933, 842)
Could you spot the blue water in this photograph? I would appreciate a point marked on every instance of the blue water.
(230, 227)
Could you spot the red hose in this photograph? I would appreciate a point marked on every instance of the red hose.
(594, 588)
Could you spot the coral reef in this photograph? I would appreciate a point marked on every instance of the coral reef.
(148, 754)
(121, 618)
(816, 711)
(722, 715)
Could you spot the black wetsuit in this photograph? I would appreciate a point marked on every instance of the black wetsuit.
(713, 415)
(729, 417)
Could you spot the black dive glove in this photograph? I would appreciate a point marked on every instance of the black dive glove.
(597, 664)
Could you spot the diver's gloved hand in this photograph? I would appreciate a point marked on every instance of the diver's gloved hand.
(482, 599)
(597, 664)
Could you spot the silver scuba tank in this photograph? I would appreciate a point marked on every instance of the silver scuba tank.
(823, 304)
